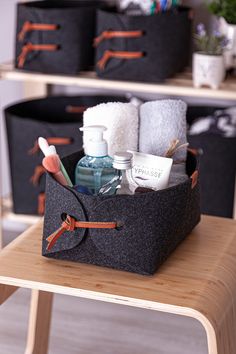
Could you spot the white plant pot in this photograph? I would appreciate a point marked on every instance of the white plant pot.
(208, 70)
(230, 51)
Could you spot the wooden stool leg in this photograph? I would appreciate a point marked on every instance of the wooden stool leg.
(39, 322)
(225, 336)
(5, 292)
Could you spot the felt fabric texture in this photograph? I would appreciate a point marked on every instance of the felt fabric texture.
(122, 122)
(164, 217)
(165, 44)
(217, 166)
(76, 21)
(25, 122)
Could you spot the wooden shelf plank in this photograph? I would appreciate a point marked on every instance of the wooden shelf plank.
(181, 85)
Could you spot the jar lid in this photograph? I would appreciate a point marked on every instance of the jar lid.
(122, 160)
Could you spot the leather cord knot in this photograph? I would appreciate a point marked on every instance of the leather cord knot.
(70, 224)
(108, 54)
(30, 26)
(116, 34)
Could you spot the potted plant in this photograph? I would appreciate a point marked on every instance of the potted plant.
(208, 61)
(226, 11)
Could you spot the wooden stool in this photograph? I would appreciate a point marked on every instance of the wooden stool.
(198, 280)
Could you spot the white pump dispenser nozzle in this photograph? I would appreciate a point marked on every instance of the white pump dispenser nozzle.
(94, 144)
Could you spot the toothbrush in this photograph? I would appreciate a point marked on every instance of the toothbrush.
(51, 150)
(52, 164)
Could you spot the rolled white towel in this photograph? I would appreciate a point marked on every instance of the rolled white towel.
(121, 121)
(162, 122)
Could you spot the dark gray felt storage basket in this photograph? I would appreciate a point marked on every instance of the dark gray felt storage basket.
(51, 117)
(151, 224)
(69, 38)
(217, 168)
(164, 42)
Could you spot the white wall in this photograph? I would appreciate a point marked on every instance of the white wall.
(9, 91)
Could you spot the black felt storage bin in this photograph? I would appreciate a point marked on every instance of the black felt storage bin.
(151, 225)
(55, 36)
(52, 118)
(162, 47)
(217, 167)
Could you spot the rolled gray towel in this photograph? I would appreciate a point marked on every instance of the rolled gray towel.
(177, 175)
(162, 122)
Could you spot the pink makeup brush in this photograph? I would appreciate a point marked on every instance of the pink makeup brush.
(52, 164)
(51, 150)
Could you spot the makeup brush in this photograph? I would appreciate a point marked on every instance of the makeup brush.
(65, 174)
(51, 150)
(43, 144)
(52, 164)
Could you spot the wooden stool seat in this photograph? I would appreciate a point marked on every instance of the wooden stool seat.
(198, 279)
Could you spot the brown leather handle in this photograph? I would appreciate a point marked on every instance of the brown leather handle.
(51, 141)
(41, 203)
(105, 35)
(75, 109)
(108, 54)
(194, 178)
(38, 172)
(29, 47)
(70, 224)
(30, 26)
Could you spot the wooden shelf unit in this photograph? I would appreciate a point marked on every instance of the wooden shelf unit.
(36, 84)
(181, 85)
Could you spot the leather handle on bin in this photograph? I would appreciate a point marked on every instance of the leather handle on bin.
(30, 26)
(38, 172)
(194, 178)
(29, 47)
(116, 34)
(41, 203)
(75, 109)
(108, 54)
(51, 141)
(70, 224)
